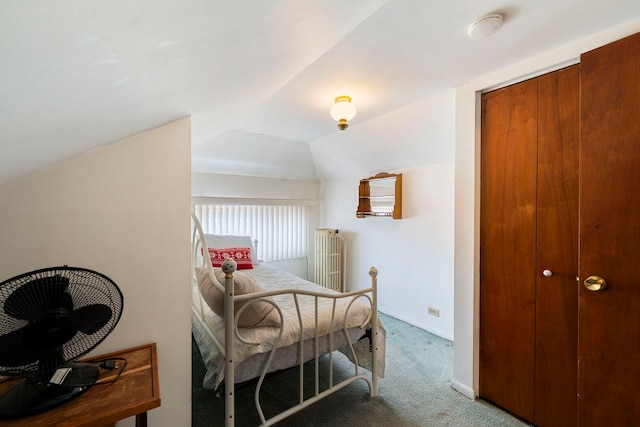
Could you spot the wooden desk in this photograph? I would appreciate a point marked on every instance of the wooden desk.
(134, 393)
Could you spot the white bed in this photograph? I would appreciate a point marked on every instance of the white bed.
(305, 321)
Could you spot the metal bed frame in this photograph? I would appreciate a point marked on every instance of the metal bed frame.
(232, 336)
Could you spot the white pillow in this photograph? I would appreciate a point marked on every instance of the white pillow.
(222, 242)
(257, 314)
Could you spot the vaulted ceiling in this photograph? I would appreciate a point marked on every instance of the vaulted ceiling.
(258, 77)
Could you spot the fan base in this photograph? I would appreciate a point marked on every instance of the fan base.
(33, 395)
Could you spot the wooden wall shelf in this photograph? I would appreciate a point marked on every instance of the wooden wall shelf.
(380, 195)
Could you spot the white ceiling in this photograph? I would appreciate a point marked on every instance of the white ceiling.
(255, 75)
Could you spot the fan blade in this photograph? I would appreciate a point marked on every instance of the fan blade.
(37, 297)
(13, 352)
(91, 318)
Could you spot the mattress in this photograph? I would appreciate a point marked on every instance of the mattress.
(339, 321)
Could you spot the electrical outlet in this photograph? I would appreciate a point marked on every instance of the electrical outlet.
(434, 312)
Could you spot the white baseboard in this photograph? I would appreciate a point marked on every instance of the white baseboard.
(463, 389)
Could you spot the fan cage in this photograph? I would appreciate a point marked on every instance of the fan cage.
(85, 287)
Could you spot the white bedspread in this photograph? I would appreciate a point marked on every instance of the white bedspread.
(249, 357)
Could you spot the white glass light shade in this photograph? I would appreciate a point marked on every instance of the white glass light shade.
(343, 109)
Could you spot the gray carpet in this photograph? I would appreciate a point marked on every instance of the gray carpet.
(415, 392)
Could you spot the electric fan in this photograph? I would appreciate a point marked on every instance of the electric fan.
(48, 319)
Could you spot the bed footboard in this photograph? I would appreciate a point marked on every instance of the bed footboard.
(372, 380)
(233, 336)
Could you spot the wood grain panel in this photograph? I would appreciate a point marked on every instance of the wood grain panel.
(609, 336)
(508, 247)
(135, 392)
(556, 372)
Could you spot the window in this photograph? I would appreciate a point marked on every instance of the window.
(282, 231)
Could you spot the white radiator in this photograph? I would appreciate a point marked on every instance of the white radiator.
(330, 254)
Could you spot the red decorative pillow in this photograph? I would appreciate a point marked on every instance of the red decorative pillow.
(242, 257)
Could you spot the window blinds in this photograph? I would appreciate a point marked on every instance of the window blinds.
(282, 231)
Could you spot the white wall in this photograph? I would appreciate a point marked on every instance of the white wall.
(417, 134)
(413, 255)
(122, 210)
(465, 375)
(208, 184)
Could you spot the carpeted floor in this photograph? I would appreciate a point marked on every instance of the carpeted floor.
(415, 392)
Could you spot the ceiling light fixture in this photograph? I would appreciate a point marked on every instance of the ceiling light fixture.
(486, 26)
(342, 111)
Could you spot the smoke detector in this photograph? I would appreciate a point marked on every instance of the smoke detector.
(486, 26)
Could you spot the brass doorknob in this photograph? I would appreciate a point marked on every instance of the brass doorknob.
(595, 283)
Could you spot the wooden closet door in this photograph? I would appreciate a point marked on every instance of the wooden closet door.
(508, 247)
(556, 371)
(529, 223)
(609, 338)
